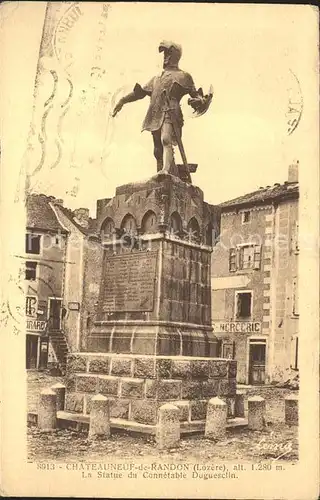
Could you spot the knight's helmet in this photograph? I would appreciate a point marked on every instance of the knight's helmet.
(175, 51)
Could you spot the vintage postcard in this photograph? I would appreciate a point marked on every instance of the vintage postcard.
(159, 250)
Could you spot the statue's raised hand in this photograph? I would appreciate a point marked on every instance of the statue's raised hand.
(118, 107)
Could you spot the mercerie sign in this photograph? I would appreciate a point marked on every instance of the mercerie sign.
(236, 327)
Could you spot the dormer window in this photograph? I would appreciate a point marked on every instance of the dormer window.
(33, 243)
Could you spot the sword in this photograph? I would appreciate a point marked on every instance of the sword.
(186, 167)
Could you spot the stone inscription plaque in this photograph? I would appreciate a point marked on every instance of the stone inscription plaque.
(129, 282)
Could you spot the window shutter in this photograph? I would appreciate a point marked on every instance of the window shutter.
(234, 350)
(240, 257)
(295, 298)
(238, 306)
(232, 259)
(257, 257)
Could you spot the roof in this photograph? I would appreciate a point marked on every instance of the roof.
(87, 230)
(269, 194)
(40, 214)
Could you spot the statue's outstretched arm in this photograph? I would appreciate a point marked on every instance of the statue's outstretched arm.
(137, 94)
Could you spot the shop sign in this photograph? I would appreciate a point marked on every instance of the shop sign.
(34, 325)
(236, 327)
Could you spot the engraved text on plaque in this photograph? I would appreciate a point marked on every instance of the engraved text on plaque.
(129, 282)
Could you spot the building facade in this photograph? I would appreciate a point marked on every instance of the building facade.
(45, 255)
(61, 258)
(255, 282)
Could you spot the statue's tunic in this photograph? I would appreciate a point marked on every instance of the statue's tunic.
(176, 83)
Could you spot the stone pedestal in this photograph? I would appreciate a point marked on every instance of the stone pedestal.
(155, 290)
(99, 417)
(138, 385)
(239, 404)
(168, 427)
(47, 410)
(291, 408)
(151, 340)
(256, 413)
(60, 391)
(216, 421)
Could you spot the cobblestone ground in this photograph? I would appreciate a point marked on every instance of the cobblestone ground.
(239, 445)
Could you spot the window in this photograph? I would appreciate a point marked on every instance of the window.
(246, 217)
(250, 257)
(295, 297)
(31, 305)
(33, 243)
(58, 240)
(31, 270)
(232, 259)
(243, 304)
(245, 257)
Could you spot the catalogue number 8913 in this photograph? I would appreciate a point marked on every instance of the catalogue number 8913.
(45, 466)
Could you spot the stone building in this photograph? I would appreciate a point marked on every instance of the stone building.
(45, 250)
(255, 282)
(61, 256)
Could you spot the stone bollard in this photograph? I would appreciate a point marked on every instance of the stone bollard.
(99, 417)
(216, 421)
(239, 404)
(60, 391)
(256, 413)
(47, 412)
(168, 427)
(291, 409)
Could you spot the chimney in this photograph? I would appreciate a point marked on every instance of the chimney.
(81, 215)
(293, 172)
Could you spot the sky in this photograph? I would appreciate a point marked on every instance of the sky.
(255, 57)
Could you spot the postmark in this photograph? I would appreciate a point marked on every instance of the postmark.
(72, 129)
(295, 103)
(15, 308)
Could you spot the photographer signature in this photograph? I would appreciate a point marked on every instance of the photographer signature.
(272, 447)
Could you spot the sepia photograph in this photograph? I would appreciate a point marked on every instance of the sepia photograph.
(160, 220)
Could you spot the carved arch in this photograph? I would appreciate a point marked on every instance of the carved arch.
(175, 224)
(128, 224)
(193, 229)
(107, 228)
(149, 222)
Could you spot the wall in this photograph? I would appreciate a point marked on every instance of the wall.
(82, 281)
(73, 279)
(271, 285)
(50, 269)
(285, 322)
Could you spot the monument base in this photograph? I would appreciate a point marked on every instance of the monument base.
(139, 384)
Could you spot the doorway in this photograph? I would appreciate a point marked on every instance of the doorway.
(257, 362)
(32, 352)
(54, 313)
